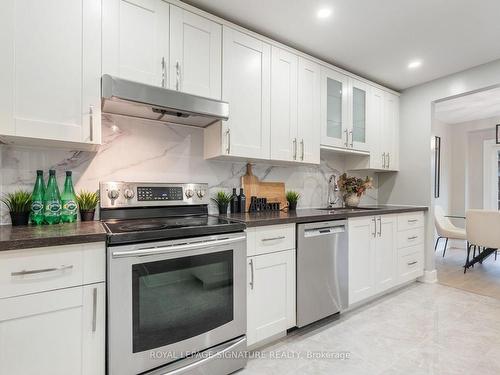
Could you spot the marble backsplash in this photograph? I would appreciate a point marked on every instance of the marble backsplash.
(135, 150)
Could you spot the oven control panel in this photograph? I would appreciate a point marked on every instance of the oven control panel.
(140, 194)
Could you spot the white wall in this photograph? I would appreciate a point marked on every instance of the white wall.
(413, 184)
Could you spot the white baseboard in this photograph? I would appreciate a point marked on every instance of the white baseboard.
(429, 277)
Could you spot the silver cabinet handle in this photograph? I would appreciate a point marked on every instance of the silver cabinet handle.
(346, 143)
(42, 270)
(302, 149)
(352, 139)
(412, 220)
(251, 274)
(412, 263)
(163, 72)
(91, 122)
(383, 160)
(273, 238)
(228, 144)
(294, 148)
(379, 226)
(388, 160)
(94, 309)
(412, 238)
(374, 233)
(177, 76)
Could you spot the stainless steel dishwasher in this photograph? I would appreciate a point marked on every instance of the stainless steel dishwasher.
(322, 270)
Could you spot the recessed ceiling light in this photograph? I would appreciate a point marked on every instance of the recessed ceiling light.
(324, 13)
(414, 64)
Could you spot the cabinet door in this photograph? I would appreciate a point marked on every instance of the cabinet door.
(246, 77)
(358, 133)
(334, 109)
(50, 69)
(195, 54)
(57, 330)
(135, 40)
(284, 74)
(390, 130)
(271, 295)
(309, 112)
(361, 258)
(376, 120)
(385, 253)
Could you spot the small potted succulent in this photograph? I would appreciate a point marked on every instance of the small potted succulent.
(292, 198)
(87, 202)
(19, 205)
(353, 188)
(222, 199)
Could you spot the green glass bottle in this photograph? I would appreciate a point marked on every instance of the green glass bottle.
(36, 214)
(68, 201)
(52, 201)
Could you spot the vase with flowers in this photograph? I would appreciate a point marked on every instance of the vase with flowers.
(353, 188)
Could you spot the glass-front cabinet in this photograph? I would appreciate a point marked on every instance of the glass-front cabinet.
(334, 109)
(344, 109)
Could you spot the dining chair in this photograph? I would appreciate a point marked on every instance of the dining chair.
(483, 232)
(445, 229)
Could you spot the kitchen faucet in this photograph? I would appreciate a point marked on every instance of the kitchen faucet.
(333, 191)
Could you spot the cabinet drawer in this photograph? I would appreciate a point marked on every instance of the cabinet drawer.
(410, 237)
(269, 239)
(410, 263)
(42, 269)
(410, 221)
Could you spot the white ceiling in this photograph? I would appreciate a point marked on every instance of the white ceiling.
(480, 105)
(377, 38)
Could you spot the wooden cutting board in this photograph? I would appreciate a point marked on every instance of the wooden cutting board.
(252, 186)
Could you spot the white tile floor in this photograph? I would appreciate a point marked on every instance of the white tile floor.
(422, 329)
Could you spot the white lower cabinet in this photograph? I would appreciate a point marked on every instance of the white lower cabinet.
(60, 330)
(271, 284)
(376, 263)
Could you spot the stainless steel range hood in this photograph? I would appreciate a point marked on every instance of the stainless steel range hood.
(134, 99)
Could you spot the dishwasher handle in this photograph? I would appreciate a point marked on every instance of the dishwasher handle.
(324, 231)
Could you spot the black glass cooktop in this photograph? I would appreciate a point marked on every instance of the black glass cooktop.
(164, 228)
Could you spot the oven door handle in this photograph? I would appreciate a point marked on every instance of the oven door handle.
(175, 248)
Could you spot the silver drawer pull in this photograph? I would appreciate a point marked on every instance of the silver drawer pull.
(43, 270)
(413, 237)
(412, 263)
(251, 274)
(274, 238)
(412, 220)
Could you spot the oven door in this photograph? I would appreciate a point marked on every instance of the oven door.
(169, 299)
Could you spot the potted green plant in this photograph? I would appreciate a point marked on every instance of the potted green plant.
(353, 188)
(292, 198)
(222, 199)
(19, 205)
(87, 202)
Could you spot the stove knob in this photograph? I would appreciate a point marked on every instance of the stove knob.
(189, 193)
(200, 193)
(113, 194)
(128, 193)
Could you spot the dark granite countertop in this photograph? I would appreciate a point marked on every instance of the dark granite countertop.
(313, 214)
(25, 237)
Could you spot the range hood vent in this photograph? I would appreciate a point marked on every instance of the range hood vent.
(134, 99)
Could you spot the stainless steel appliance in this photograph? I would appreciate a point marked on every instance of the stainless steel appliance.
(134, 99)
(176, 281)
(322, 270)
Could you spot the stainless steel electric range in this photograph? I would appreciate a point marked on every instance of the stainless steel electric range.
(176, 281)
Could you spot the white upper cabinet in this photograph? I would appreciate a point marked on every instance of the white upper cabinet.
(195, 54)
(334, 109)
(246, 78)
(135, 40)
(358, 111)
(284, 77)
(50, 71)
(390, 131)
(309, 122)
